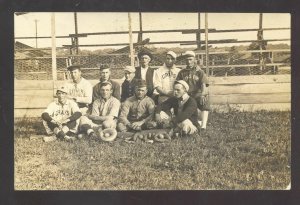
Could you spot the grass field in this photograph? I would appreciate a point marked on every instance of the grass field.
(240, 150)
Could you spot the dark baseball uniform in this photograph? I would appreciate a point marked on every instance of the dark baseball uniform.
(195, 78)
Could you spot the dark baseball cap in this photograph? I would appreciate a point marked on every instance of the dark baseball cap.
(104, 66)
(74, 67)
(141, 83)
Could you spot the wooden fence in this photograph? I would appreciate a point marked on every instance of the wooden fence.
(246, 93)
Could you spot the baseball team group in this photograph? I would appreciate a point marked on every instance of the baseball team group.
(149, 98)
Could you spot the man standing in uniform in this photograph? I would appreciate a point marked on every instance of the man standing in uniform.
(79, 89)
(104, 112)
(137, 111)
(61, 117)
(185, 111)
(198, 82)
(165, 76)
(128, 86)
(145, 72)
(105, 77)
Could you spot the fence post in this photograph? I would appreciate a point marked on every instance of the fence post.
(198, 34)
(206, 45)
(130, 41)
(76, 33)
(260, 37)
(53, 53)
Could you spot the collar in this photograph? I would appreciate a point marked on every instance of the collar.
(128, 80)
(145, 68)
(195, 67)
(78, 81)
(103, 100)
(58, 103)
(101, 81)
(140, 99)
(184, 97)
(173, 67)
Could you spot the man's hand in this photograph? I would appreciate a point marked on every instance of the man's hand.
(158, 118)
(137, 125)
(192, 130)
(56, 123)
(173, 121)
(201, 99)
(65, 121)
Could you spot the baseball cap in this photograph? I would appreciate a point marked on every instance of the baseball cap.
(105, 84)
(183, 83)
(62, 89)
(141, 83)
(74, 67)
(130, 69)
(189, 54)
(171, 53)
(104, 66)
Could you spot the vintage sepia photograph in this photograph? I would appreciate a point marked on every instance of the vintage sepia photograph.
(152, 101)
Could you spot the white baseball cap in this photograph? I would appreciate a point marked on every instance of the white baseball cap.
(130, 69)
(189, 54)
(62, 89)
(183, 83)
(171, 53)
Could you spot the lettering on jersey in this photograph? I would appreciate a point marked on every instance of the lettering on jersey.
(191, 77)
(76, 92)
(168, 74)
(61, 112)
(186, 78)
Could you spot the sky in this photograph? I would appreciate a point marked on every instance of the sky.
(89, 22)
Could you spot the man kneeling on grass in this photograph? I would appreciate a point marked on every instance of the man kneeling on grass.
(185, 111)
(137, 111)
(61, 117)
(104, 114)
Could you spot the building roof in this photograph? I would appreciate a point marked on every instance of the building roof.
(28, 53)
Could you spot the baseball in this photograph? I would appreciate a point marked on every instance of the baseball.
(106, 135)
(161, 136)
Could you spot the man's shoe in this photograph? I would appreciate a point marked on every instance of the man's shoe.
(69, 139)
(49, 138)
(80, 136)
(93, 135)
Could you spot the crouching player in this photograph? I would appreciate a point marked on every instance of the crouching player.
(104, 114)
(185, 111)
(61, 117)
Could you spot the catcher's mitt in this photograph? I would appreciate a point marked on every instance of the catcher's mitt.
(108, 134)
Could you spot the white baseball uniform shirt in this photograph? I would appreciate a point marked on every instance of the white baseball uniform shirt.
(164, 77)
(60, 112)
(83, 91)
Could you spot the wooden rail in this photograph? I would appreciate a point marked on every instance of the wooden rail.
(184, 31)
(247, 93)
